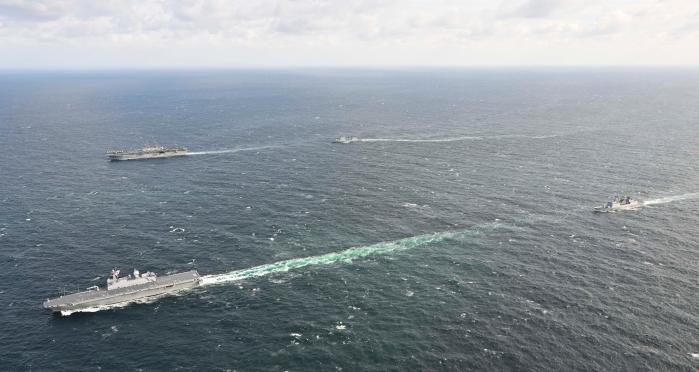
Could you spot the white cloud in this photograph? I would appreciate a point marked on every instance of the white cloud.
(133, 33)
(532, 8)
(29, 10)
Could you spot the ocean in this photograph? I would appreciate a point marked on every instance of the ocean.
(456, 235)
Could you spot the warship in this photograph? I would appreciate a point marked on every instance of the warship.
(619, 204)
(123, 290)
(346, 140)
(151, 152)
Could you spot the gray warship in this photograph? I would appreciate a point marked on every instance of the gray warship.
(123, 290)
(345, 140)
(625, 203)
(150, 152)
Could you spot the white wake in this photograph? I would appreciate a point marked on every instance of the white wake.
(347, 255)
(451, 139)
(459, 138)
(673, 198)
(229, 151)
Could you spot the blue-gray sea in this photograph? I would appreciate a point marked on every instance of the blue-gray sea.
(456, 235)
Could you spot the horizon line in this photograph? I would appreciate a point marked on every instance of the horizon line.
(345, 67)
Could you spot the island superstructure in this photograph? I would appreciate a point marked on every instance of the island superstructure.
(123, 290)
(150, 152)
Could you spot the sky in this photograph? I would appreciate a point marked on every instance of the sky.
(98, 34)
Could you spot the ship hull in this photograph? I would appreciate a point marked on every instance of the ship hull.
(104, 298)
(634, 205)
(123, 157)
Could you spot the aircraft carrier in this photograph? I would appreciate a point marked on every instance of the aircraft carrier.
(152, 152)
(123, 290)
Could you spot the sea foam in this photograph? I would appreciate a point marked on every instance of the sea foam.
(673, 198)
(229, 151)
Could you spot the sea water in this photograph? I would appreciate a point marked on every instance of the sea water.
(456, 235)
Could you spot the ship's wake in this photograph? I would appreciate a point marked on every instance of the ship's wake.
(459, 138)
(482, 137)
(672, 198)
(230, 151)
(451, 139)
(346, 256)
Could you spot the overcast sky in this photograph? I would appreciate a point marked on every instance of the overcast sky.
(288, 33)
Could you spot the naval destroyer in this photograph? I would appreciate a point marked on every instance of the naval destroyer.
(123, 290)
(619, 204)
(152, 152)
(345, 140)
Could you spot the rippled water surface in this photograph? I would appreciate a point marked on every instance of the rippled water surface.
(456, 235)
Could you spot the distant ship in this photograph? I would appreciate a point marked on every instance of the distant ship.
(619, 204)
(124, 290)
(152, 152)
(346, 140)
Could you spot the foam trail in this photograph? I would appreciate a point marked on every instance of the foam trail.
(522, 136)
(461, 138)
(347, 255)
(452, 139)
(229, 151)
(670, 199)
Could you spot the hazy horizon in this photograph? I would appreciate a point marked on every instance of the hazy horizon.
(368, 69)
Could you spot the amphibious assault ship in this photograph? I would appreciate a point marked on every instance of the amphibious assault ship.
(152, 152)
(123, 290)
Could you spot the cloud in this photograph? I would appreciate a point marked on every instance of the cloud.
(32, 10)
(224, 32)
(615, 22)
(532, 9)
(689, 27)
